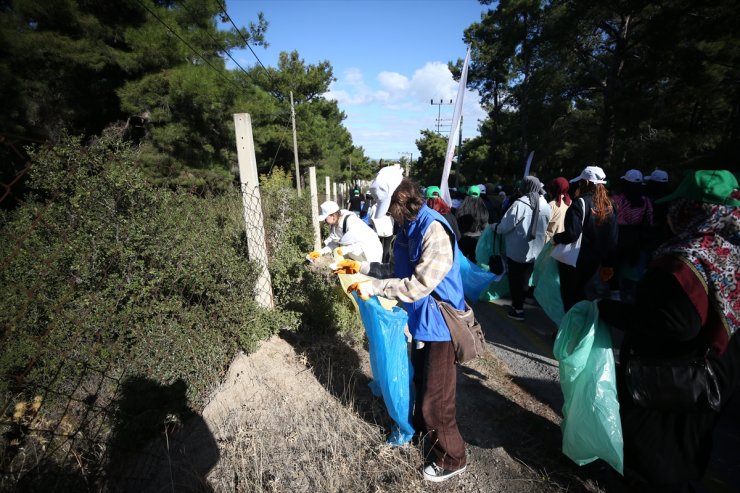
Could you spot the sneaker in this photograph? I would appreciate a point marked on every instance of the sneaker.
(436, 474)
(516, 314)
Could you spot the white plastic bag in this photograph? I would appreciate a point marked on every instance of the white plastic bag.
(568, 254)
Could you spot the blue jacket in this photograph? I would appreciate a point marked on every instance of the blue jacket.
(425, 319)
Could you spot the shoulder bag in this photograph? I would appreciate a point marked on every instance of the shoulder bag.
(466, 332)
(568, 253)
(672, 384)
(496, 263)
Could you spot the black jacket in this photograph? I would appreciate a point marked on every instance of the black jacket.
(599, 242)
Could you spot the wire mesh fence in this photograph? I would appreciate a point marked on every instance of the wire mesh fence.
(256, 241)
(112, 291)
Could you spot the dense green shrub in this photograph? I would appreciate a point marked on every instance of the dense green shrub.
(100, 267)
(311, 293)
(108, 279)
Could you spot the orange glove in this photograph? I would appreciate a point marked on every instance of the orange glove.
(314, 255)
(347, 266)
(606, 273)
(364, 289)
(338, 251)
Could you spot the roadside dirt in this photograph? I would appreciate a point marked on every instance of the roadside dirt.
(513, 439)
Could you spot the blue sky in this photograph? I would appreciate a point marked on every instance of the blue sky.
(389, 58)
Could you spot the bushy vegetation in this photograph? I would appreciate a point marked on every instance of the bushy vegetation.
(103, 268)
(104, 273)
(314, 294)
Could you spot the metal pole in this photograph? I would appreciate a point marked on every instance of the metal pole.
(295, 147)
(439, 111)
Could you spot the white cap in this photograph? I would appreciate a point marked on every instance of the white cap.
(633, 176)
(383, 186)
(482, 189)
(327, 208)
(658, 175)
(594, 174)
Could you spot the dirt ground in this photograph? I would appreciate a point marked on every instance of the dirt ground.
(513, 439)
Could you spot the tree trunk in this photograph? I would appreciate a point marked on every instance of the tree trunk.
(524, 97)
(612, 92)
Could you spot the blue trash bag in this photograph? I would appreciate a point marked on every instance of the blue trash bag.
(475, 279)
(497, 289)
(592, 428)
(546, 278)
(390, 364)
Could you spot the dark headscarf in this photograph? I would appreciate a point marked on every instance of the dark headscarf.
(531, 187)
(559, 187)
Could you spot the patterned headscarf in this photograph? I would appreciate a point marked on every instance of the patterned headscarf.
(708, 239)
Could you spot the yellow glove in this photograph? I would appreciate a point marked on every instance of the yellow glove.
(364, 289)
(347, 266)
(606, 273)
(314, 255)
(338, 251)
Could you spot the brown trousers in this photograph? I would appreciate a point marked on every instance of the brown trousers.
(435, 380)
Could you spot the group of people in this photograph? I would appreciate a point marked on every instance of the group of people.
(682, 251)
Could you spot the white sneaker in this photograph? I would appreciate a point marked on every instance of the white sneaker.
(436, 474)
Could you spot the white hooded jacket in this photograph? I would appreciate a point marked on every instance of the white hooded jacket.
(358, 241)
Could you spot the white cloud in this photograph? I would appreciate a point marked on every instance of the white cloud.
(387, 116)
(393, 81)
(353, 77)
(434, 81)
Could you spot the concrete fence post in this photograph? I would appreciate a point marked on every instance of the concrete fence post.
(314, 208)
(253, 220)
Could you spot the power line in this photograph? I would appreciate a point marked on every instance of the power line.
(222, 46)
(219, 72)
(246, 42)
(280, 145)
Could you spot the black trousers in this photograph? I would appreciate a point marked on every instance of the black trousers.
(573, 281)
(519, 274)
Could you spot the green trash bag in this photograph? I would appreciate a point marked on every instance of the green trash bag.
(484, 247)
(546, 278)
(591, 425)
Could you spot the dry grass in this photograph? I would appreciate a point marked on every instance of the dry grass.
(322, 447)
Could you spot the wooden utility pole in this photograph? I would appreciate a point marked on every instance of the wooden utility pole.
(295, 147)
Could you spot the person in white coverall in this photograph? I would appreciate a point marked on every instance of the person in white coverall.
(348, 233)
